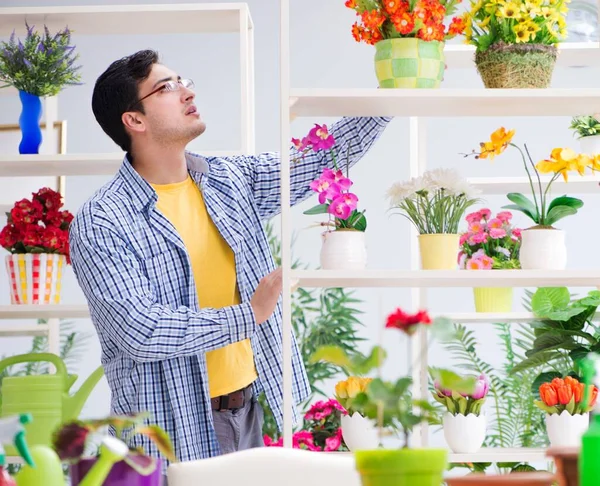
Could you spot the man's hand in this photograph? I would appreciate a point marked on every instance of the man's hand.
(265, 297)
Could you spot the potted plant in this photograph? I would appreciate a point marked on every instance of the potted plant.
(567, 416)
(543, 245)
(587, 129)
(40, 66)
(72, 439)
(37, 237)
(490, 243)
(515, 42)
(409, 39)
(434, 203)
(392, 406)
(464, 423)
(343, 246)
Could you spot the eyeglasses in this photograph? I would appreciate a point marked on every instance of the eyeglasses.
(168, 86)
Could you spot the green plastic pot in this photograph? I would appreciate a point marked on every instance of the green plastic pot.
(401, 467)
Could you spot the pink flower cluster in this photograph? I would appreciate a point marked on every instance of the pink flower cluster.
(323, 409)
(317, 139)
(330, 187)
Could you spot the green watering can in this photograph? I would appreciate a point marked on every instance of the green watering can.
(45, 397)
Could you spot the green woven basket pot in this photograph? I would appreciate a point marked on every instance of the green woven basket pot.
(409, 63)
(401, 467)
(516, 65)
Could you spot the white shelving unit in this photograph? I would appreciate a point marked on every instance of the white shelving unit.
(418, 104)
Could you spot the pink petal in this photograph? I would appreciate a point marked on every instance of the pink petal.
(339, 208)
(329, 175)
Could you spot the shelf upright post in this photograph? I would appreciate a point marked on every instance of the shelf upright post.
(247, 81)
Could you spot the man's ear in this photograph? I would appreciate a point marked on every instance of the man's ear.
(133, 121)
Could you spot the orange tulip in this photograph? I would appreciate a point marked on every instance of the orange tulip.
(564, 393)
(548, 394)
(557, 382)
(576, 387)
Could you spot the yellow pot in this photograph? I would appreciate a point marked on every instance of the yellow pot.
(493, 299)
(439, 251)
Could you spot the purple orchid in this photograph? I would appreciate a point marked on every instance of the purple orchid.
(320, 138)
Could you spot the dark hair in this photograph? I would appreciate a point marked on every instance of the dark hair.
(116, 91)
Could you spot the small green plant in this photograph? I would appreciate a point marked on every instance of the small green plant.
(585, 126)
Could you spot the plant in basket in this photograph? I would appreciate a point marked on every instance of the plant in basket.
(542, 245)
(515, 41)
(72, 440)
(464, 423)
(435, 203)
(489, 244)
(37, 237)
(587, 129)
(409, 38)
(391, 406)
(344, 244)
(567, 414)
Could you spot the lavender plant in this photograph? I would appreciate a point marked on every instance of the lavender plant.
(41, 65)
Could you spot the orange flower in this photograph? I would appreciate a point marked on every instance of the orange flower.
(565, 394)
(548, 394)
(498, 143)
(373, 19)
(391, 6)
(593, 396)
(403, 22)
(431, 31)
(351, 4)
(357, 32)
(457, 26)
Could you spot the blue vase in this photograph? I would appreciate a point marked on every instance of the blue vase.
(29, 121)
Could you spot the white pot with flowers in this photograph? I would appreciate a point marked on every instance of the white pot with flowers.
(490, 243)
(435, 203)
(542, 246)
(464, 423)
(344, 244)
(587, 129)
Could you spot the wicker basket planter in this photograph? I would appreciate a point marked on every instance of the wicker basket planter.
(516, 65)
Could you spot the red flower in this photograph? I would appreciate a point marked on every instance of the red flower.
(9, 236)
(53, 238)
(32, 235)
(49, 198)
(69, 441)
(26, 212)
(407, 322)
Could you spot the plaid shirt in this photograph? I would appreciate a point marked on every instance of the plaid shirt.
(136, 275)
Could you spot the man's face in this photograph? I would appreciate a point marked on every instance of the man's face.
(170, 116)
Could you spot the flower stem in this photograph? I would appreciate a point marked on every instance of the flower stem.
(543, 215)
(537, 208)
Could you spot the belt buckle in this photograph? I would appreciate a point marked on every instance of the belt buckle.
(223, 403)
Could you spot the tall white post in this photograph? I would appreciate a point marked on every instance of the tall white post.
(246, 82)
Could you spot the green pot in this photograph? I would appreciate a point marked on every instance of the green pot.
(401, 467)
(409, 63)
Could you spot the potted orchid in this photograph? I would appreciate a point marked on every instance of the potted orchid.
(587, 129)
(543, 245)
(435, 203)
(344, 244)
(489, 244)
(358, 431)
(464, 423)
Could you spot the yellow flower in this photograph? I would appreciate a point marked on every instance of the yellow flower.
(351, 387)
(492, 6)
(484, 22)
(562, 161)
(521, 32)
(595, 163)
(509, 10)
(547, 13)
(499, 140)
(340, 390)
(532, 28)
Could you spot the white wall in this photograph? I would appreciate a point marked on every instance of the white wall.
(323, 55)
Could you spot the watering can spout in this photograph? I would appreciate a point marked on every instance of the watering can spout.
(72, 404)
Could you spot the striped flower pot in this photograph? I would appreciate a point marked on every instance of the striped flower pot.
(409, 63)
(35, 278)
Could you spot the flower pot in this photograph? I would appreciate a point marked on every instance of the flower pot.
(401, 467)
(516, 65)
(343, 250)
(590, 145)
(439, 251)
(35, 278)
(409, 63)
(493, 299)
(121, 474)
(464, 434)
(29, 122)
(543, 249)
(566, 430)
(359, 433)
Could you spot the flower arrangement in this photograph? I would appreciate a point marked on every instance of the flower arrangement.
(389, 19)
(565, 394)
(38, 225)
(435, 202)
(321, 430)
(41, 65)
(585, 126)
(332, 186)
(463, 403)
(490, 22)
(71, 440)
(489, 243)
(561, 162)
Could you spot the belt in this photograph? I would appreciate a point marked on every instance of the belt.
(232, 401)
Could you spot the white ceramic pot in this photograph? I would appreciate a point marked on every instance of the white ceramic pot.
(566, 430)
(590, 145)
(464, 434)
(543, 249)
(343, 250)
(359, 433)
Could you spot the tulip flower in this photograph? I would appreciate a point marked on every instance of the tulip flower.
(565, 394)
(482, 386)
(548, 394)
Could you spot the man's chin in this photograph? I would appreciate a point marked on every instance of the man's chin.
(197, 130)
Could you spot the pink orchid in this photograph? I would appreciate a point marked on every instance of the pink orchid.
(504, 216)
(343, 205)
(301, 145)
(326, 188)
(473, 217)
(337, 177)
(485, 213)
(497, 233)
(495, 223)
(320, 138)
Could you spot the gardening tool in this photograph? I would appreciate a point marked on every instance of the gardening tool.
(45, 397)
(589, 456)
(11, 430)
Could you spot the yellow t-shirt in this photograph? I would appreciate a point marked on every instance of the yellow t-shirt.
(213, 265)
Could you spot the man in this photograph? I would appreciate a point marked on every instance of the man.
(176, 268)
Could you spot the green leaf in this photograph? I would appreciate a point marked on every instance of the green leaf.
(319, 209)
(442, 329)
(541, 405)
(571, 405)
(522, 468)
(592, 299)
(552, 340)
(539, 359)
(572, 202)
(355, 364)
(557, 213)
(514, 207)
(579, 353)
(161, 439)
(451, 381)
(524, 203)
(371, 362)
(565, 314)
(334, 355)
(450, 405)
(550, 299)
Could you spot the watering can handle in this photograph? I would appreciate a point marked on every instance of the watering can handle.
(61, 369)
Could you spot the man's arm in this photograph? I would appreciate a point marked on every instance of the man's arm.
(122, 299)
(353, 136)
